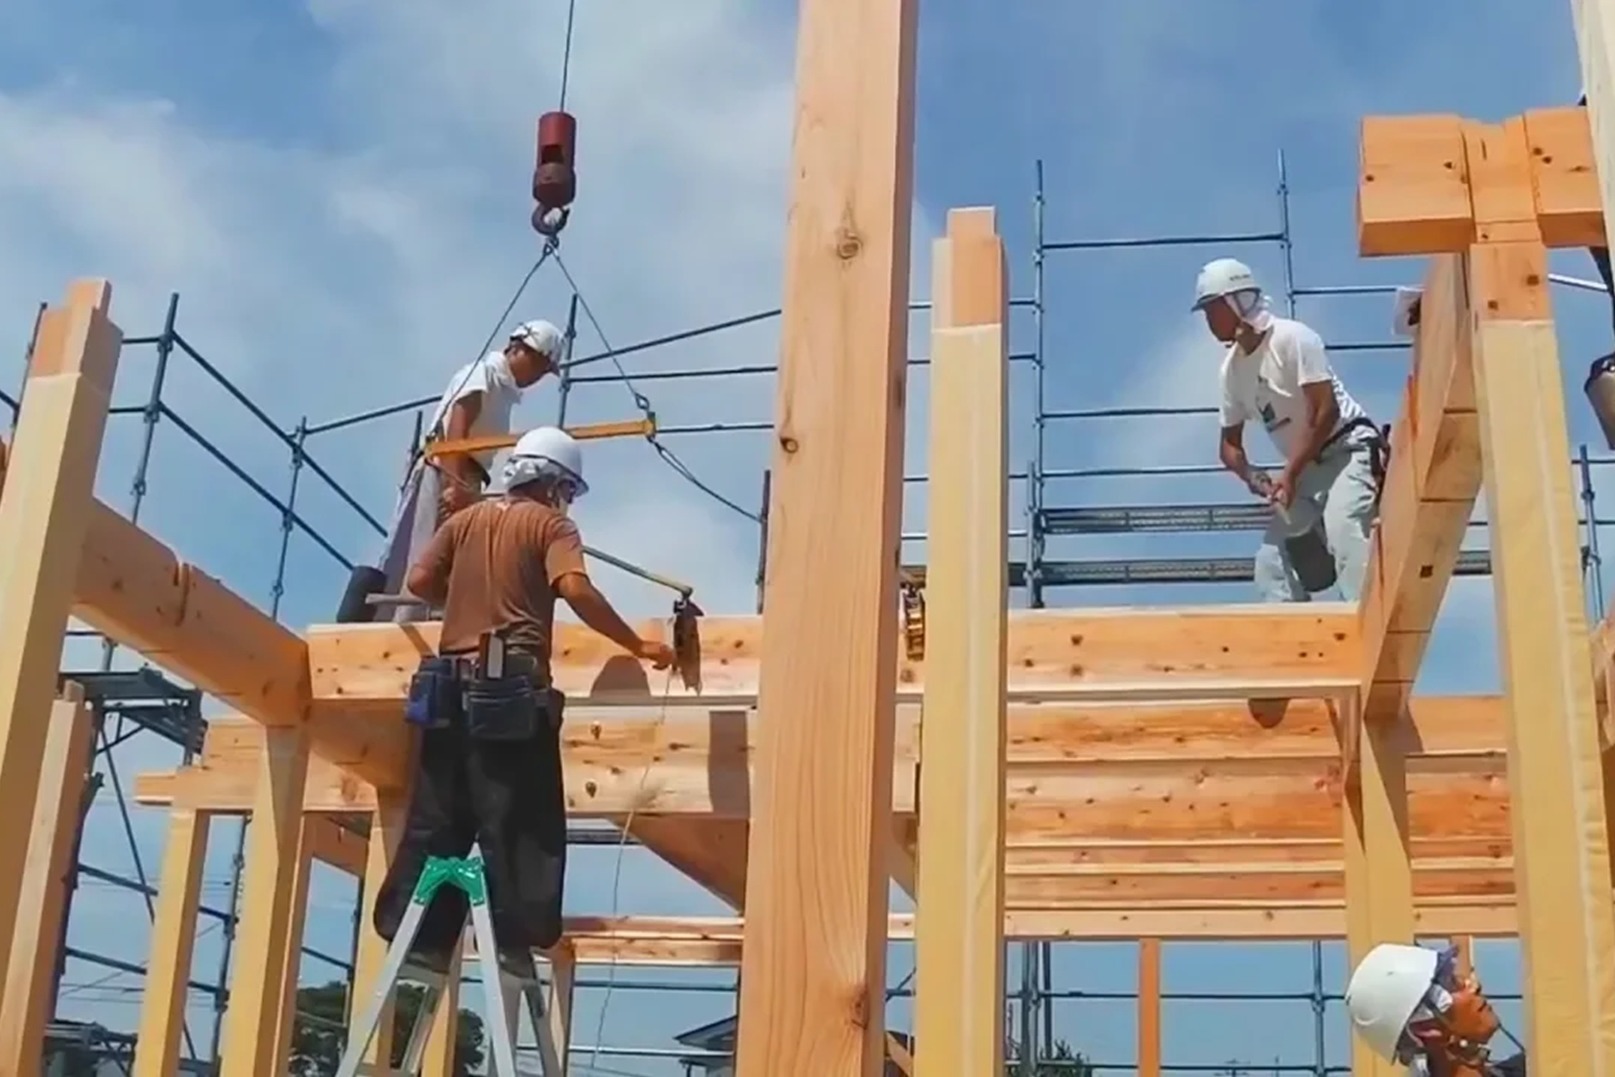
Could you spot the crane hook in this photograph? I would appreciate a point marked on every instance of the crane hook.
(555, 180)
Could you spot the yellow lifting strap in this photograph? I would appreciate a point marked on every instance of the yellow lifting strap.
(586, 432)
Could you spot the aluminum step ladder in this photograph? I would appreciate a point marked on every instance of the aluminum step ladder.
(501, 972)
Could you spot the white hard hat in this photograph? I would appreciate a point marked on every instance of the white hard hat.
(541, 336)
(1385, 992)
(1223, 277)
(557, 453)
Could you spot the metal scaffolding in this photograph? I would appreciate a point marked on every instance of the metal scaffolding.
(128, 704)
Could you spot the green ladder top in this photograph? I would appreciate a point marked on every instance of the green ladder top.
(462, 874)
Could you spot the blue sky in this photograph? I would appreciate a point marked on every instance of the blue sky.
(338, 190)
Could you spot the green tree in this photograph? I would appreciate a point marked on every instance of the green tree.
(319, 1031)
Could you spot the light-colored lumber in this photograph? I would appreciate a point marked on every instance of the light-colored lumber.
(812, 992)
(1428, 497)
(173, 942)
(959, 951)
(1081, 655)
(386, 830)
(1413, 195)
(1379, 867)
(25, 993)
(561, 996)
(1561, 841)
(272, 854)
(44, 512)
(290, 966)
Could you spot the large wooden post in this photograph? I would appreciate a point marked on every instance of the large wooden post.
(959, 927)
(44, 513)
(812, 992)
(25, 996)
(173, 942)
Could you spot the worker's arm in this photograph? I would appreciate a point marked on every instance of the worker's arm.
(428, 577)
(1231, 450)
(595, 611)
(457, 425)
(563, 564)
(1323, 410)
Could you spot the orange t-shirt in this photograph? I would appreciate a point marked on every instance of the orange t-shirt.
(501, 560)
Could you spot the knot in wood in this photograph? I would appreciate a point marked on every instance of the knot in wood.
(788, 443)
(848, 243)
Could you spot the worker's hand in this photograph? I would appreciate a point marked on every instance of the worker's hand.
(454, 497)
(657, 653)
(1282, 491)
(1260, 483)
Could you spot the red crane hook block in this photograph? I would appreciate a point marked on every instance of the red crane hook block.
(555, 182)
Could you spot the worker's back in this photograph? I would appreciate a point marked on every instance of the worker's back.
(507, 555)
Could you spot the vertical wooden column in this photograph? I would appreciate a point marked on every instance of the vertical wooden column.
(443, 1037)
(173, 941)
(812, 991)
(44, 512)
(291, 962)
(959, 926)
(1379, 870)
(25, 995)
(563, 980)
(1556, 795)
(273, 840)
(1149, 1008)
(386, 827)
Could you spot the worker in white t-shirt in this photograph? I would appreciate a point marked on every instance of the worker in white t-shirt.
(478, 402)
(1277, 373)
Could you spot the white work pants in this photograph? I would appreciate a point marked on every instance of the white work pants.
(1341, 484)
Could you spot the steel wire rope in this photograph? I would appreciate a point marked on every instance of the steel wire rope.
(643, 403)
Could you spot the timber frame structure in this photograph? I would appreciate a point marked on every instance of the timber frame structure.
(1218, 772)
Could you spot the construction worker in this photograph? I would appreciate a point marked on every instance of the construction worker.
(478, 402)
(489, 765)
(1326, 497)
(1416, 1007)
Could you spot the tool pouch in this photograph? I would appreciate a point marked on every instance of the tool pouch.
(504, 708)
(434, 694)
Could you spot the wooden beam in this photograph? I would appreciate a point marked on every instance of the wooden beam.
(25, 1000)
(695, 940)
(44, 513)
(959, 950)
(173, 941)
(1561, 839)
(1413, 192)
(812, 998)
(272, 854)
(1233, 652)
(1429, 495)
(645, 765)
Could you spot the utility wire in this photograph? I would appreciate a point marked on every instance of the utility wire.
(642, 402)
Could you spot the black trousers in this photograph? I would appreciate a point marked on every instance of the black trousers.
(505, 795)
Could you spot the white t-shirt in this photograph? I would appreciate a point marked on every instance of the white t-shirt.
(491, 377)
(1265, 385)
